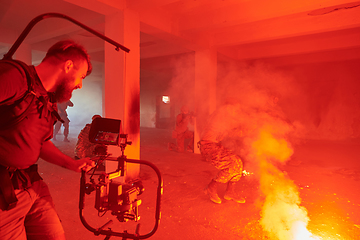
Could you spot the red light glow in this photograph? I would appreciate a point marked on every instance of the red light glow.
(166, 99)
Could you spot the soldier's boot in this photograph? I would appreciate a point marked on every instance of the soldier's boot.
(230, 193)
(211, 191)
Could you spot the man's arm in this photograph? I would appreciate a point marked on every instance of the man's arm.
(50, 153)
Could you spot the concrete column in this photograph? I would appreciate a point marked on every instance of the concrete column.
(121, 97)
(205, 88)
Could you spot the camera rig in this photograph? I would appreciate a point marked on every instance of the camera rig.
(119, 198)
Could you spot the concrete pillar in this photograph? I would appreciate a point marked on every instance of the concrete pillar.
(121, 97)
(205, 88)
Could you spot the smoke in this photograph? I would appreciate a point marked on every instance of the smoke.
(282, 215)
(256, 109)
(261, 137)
(87, 102)
(264, 145)
(267, 148)
(319, 99)
(181, 87)
(254, 85)
(255, 127)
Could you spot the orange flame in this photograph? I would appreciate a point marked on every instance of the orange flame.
(270, 147)
(282, 215)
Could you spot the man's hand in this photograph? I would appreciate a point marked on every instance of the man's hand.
(83, 164)
(52, 154)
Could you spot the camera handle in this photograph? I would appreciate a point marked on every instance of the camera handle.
(125, 235)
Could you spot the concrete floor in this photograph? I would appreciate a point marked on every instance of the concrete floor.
(326, 174)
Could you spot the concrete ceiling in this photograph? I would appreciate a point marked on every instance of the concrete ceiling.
(238, 29)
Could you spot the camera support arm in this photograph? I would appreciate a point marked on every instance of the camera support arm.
(37, 19)
(125, 234)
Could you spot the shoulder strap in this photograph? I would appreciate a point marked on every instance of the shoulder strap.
(24, 70)
(31, 89)
(18, 111)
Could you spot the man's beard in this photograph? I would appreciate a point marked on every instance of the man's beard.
(63, 91)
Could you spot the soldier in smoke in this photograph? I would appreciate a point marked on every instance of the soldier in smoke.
(231, 132)
(182, 132)
(64, 116)
(222, 124)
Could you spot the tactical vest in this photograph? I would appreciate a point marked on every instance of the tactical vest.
(12, 114)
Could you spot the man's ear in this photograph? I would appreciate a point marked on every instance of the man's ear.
(69, 64)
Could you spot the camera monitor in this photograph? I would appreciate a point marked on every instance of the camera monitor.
(105, 131)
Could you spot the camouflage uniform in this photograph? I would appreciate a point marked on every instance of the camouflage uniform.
(229, 164)
(224, 124)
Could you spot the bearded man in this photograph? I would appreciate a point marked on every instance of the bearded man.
(26, 207)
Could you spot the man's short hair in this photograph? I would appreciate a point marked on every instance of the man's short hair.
(69, 50)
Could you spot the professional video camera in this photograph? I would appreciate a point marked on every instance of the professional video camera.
(118, 197)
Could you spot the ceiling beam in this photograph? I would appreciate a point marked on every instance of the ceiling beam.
(220, 14)
(288, 26)
(105, 7)
(320, 42)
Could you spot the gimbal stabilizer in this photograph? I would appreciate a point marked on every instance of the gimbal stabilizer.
(118, 198)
